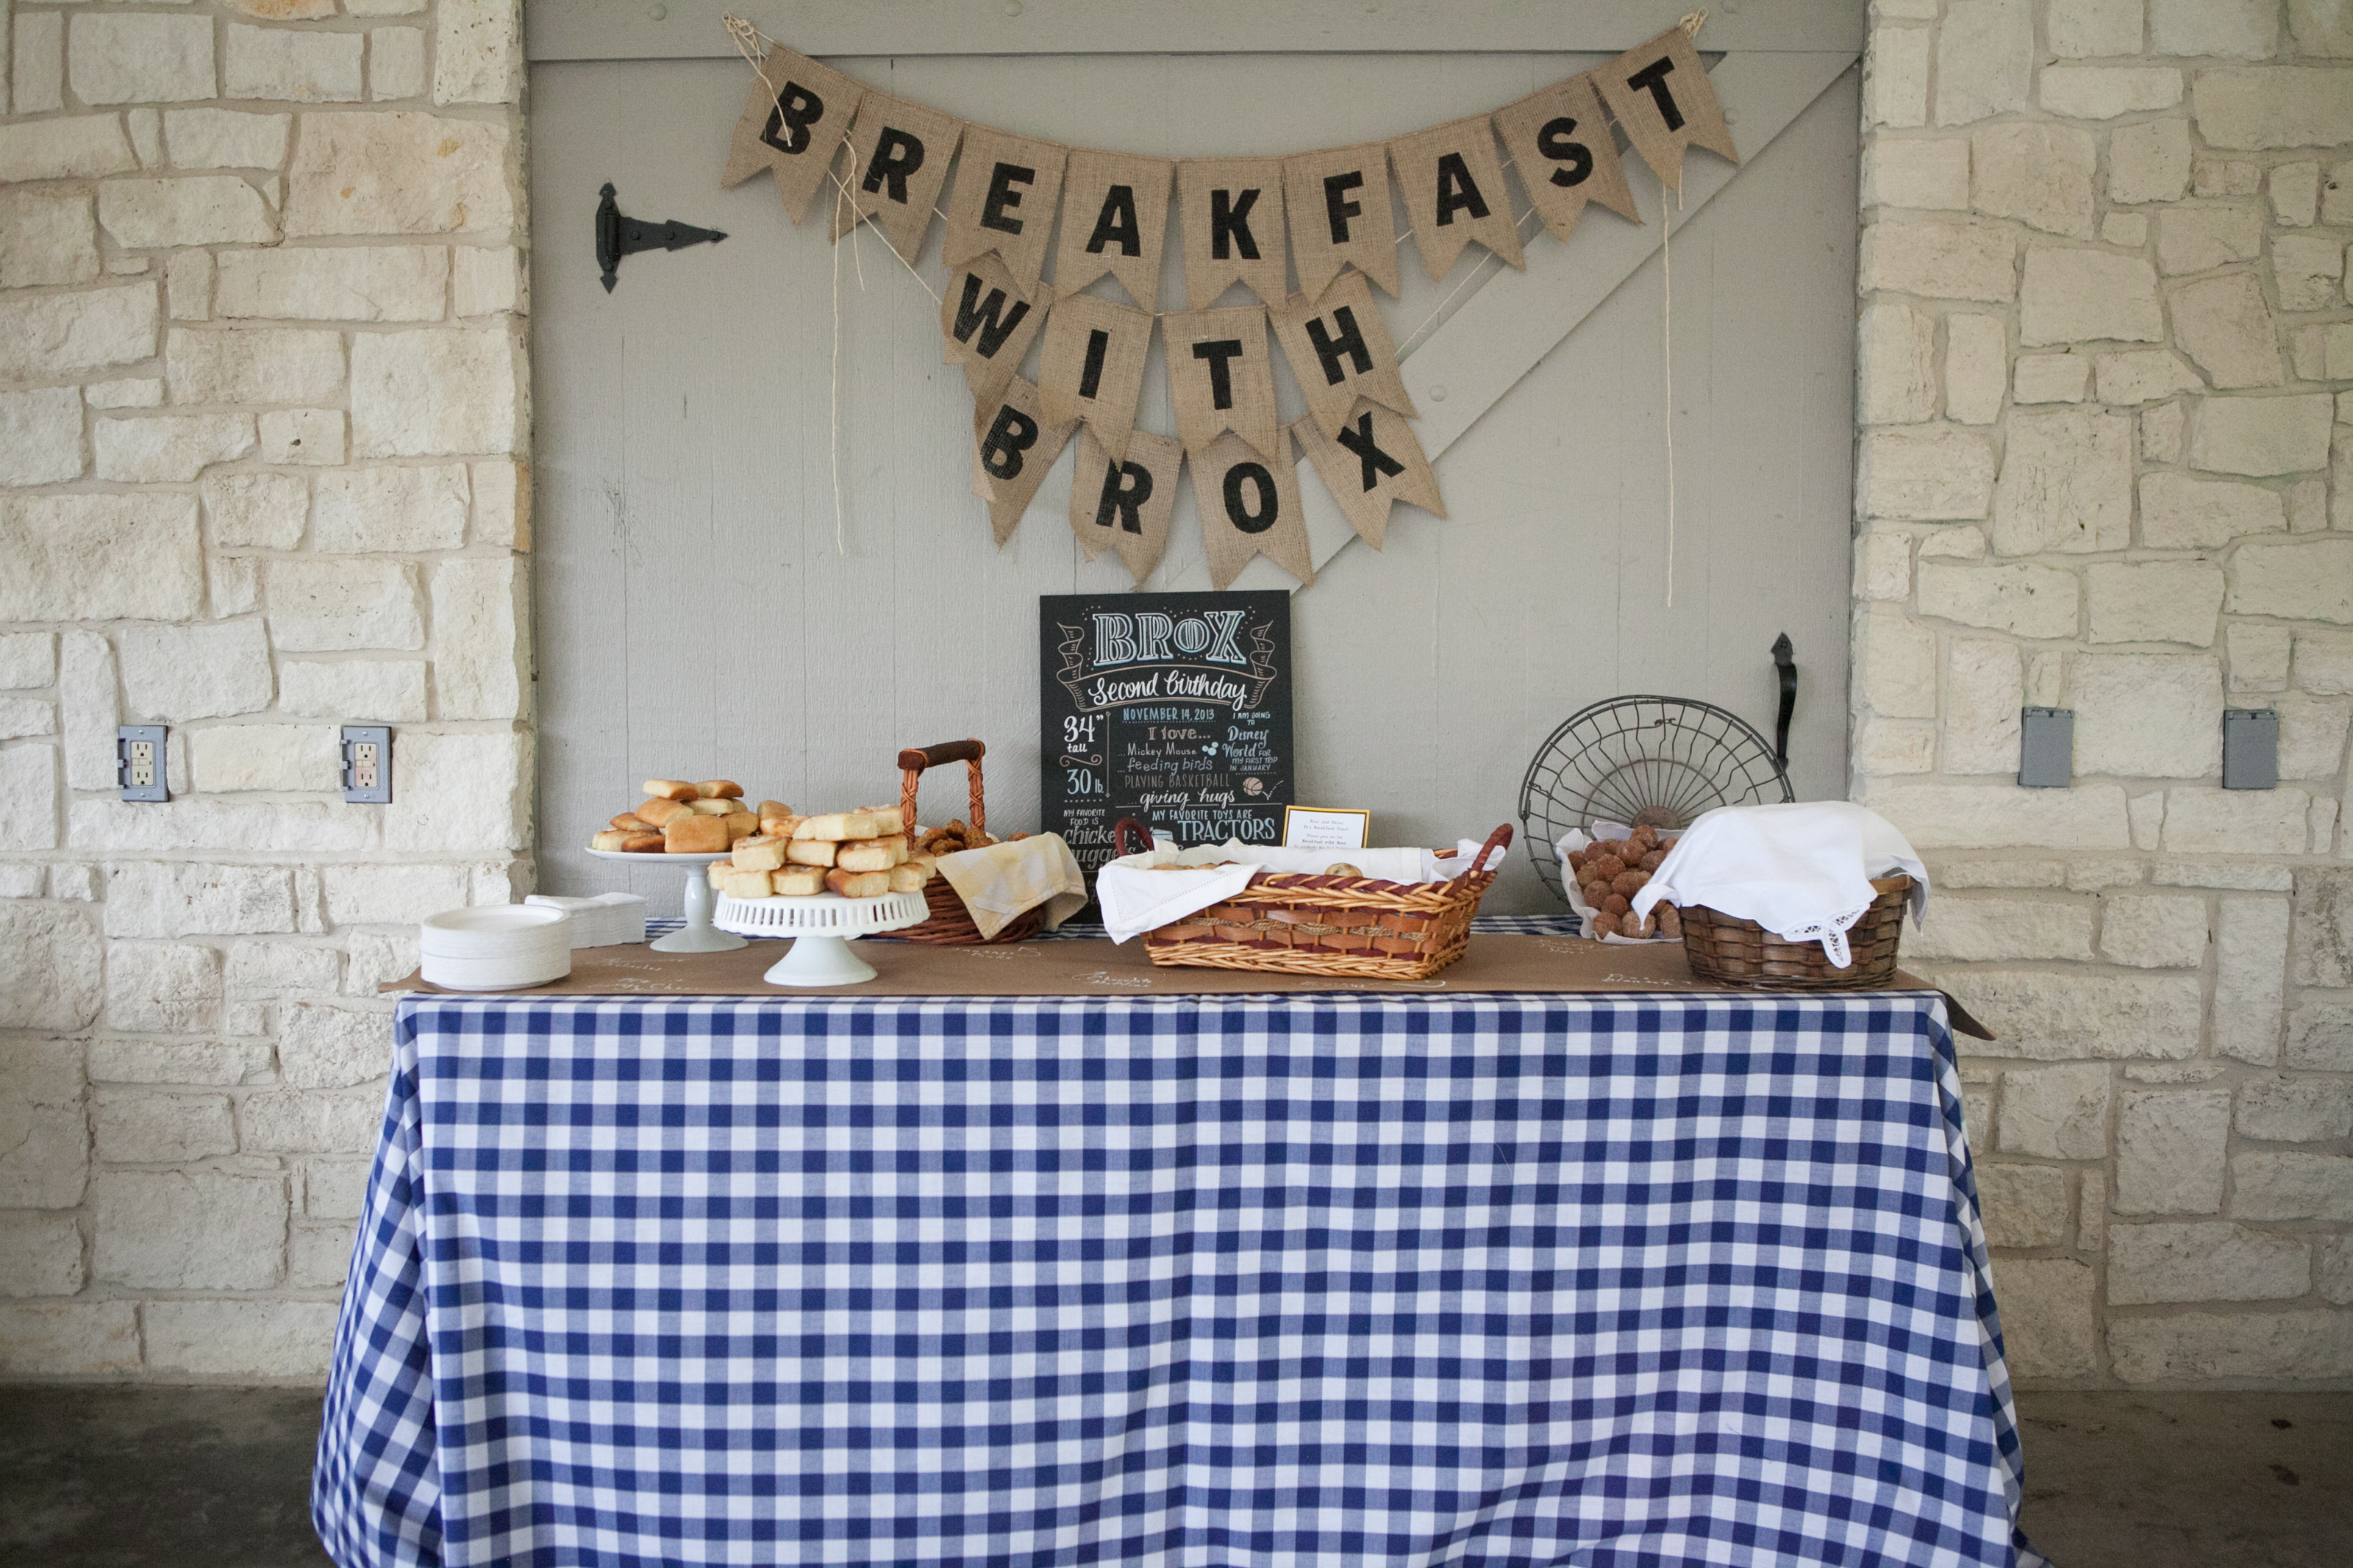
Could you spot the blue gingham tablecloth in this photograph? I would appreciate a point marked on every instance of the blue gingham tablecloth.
(1595, 1280)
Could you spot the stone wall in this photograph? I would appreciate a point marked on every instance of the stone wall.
(2105, 463)
(263, 428)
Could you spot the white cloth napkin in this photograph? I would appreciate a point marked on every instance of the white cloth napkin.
(1000, 880)
(1803, 871)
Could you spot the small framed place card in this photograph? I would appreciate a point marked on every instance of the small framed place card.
(1307, 828)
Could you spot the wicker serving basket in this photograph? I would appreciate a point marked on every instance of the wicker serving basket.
(1742, 953)
(1355, 928)
(951, 924)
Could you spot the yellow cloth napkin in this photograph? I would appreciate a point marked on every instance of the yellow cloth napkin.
(1002, 880)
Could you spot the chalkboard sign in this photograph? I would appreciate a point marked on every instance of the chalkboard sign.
(1174, 708)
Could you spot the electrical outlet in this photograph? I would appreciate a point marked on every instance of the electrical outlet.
(368, 765)
(140, 759)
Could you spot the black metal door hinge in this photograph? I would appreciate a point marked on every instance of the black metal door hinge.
(617, 237)
(1786, 666)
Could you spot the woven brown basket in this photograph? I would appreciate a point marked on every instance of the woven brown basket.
(951, 924)
(1742, 953)
(1354, 928)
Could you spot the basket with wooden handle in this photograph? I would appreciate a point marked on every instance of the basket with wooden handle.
(1353, 928)
(950, 923)
(1742, 953)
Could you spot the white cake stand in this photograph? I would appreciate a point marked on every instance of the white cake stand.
(822, 925)
(696, 935)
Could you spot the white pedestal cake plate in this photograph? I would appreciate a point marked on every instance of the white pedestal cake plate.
(821, 926)
(696, 935)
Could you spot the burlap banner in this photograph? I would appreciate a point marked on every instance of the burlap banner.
(1221, 375)
(1249, 506)
(988, 323)
(1454, 194)
(1015, 447)
(1091, 367)
(1115, 220)
(795, 131)
(899, 157)
(1565, 153)
(1660, 94)
(1232, 209)
(1340, 216)
(1373, 462)
(1006, 191)
(1339, 351)
(1124, 505)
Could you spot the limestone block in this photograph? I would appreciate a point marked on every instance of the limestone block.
(2312, 735)
(2161, 433)
(86, 682)
(2336, 193)
(44, 1149)
(2169, 1150)
(481, 639)
(389, 690)
(2235, 29)
(421, 394)
(395, 63)
(1994, 929)
(176, 897)
(100, 557)
(299, 66)
(47, 235)
(399, 172)
(192, 209)
(128, 392)
(2065, 484)
(2320, 27)
(332, 606)
(2198, 239)
(377, 283)
(2333, 1269)
(2322, 354)
(2262, 436)
(2104, 92)
(2073, 296)
(328, 1047)
(226, 139)
(2052, 378)
(2320, 1038)
(2305, 580)
(2235, 821)
(1954, 542)
(2323, 662)
(308, 435)
(2153, 930)
(319, 1256)
(408, 509)
(2036, 172)
(37, 74)
(2266, 1185)
(2295, 1110)
(1983, 682)
(43, 337)
(2224, 325)
(226, 758)
(1883, 566)
(2259, 657)
(262, 511)
(391, 895)
(161, 987)
(156, 1061)
(41, 436)
(1977, 367)
(2204, 1261)
(376, 957)
(2046, 1317)
(221, 827)
(52, 1339)
(188, 285)
(276, 968)
(2277, 106)
(284, 10)
(40, 1254)
(1925, 475)
(22, 716)
(290, 1341)
(254, 364)
(2307, 269)
(2157, 601)
(78, 147)
(2026, 601)
(1884, 746)
(477, 52)
(1940, 261)
(503, 504)
(1968, 816)
(507, 881)
(2024, 1205)
(141, 59)
(196, 672)
(1895, 364)
(463, 795)
(2324, 928)
(2042, 1016)
(169, 447)
(1895, 662)
(132, 1127)
(2150, 162)
(2147, 715)
(2129, 231)
(335, 1189)
(235, 586)
(2056, 1113)
(188, 1230)
(28, 796)
(28, 660)
(299, 1121)
(2250, 947)
(2090, 29)
(1985, 59)
(2179, 512)
(2292, 1345)
(487, 280)
(383, 8)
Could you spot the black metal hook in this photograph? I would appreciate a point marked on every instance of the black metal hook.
(1785, 661)
(617, 237)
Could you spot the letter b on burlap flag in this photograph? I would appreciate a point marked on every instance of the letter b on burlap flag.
(793, 126)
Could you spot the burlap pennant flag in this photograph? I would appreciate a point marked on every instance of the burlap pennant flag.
(1231, 211)
(1340, 216)
(1125, 504)
(1660, 94)
(1249, 506)
(1091, 367)
(1115, 220)
(1565, 155)
(1222, 376)
(899, 157)
(1016, 446)
(1005, 189)
(988, 323)
(1454, 194)
(1375, 461)
(799, 113)
(1339, 349)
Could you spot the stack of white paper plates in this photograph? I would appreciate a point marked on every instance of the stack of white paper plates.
(499, 947)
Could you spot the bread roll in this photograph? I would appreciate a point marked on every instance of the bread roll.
(809, 852)
(756, 854)
(1603, 924)
(909, 878)
(838, 825)
(670, 789)
(774, 808)
(656, 813)
(612, 839)
(870, 854)
(720, 789)
(887, 818)
(644, 844)
(857, 884)
(797, 881)
(778, 827)
(630, 822)
(741, 824)
(692, 832)
(711, 807)
(740, 884)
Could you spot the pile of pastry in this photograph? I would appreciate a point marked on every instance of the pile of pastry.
(682, 818)
(859, 854)
(1610, 871)
(957, 837)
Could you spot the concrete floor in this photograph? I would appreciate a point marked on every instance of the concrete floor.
(219, 1477)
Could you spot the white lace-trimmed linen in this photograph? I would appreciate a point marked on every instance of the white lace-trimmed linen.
(1802, 871)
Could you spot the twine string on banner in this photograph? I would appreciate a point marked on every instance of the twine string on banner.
(1691, 24)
